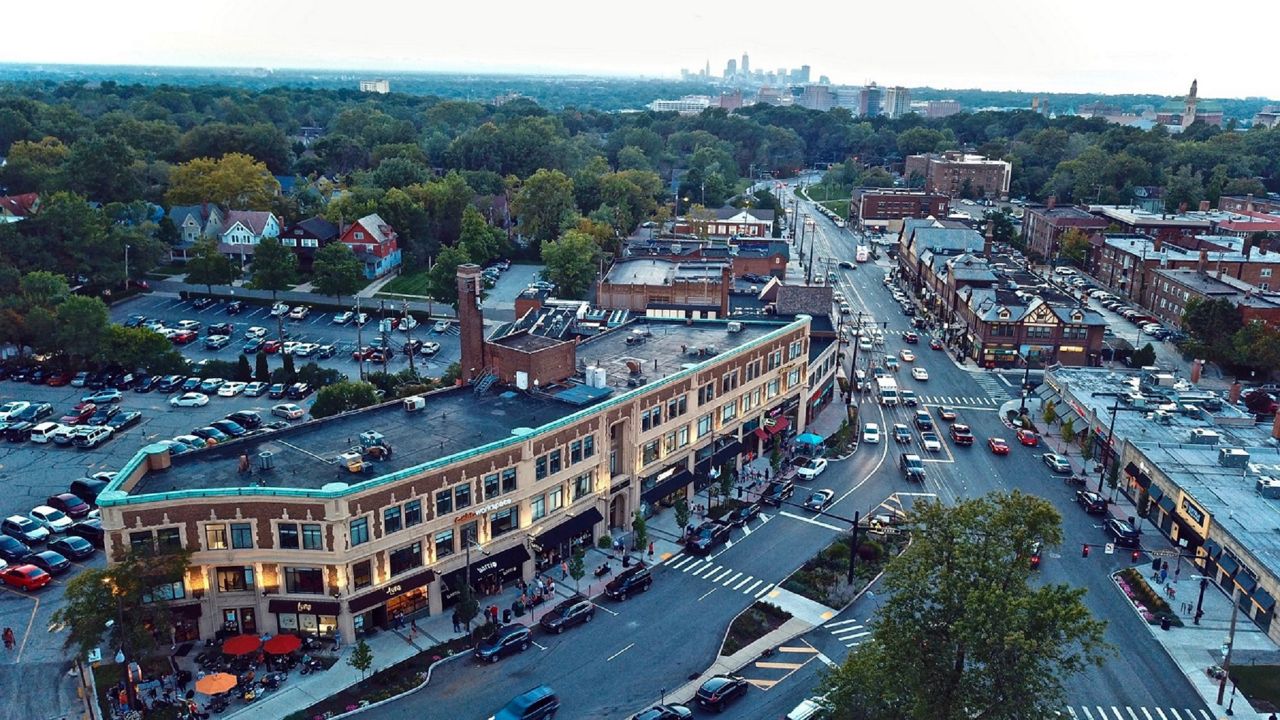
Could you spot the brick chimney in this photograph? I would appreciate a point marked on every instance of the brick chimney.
(726, 282)
(1203, 263)
(1248, 202)
(1182, 208)
(989, 239)
(1157, 244)
(1197, 367)
(1204, 206)
(1051, 202)
(1233, 396)
(470, 321)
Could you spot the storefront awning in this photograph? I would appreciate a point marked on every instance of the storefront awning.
(189, 612)
(731, 450)
(768, 431)
(1144, 481)
(572, 527)
(395, 587)
(668, 486)
(305, 607)
(1156, 493)
(1246, 582)
(1212, 548)
(506, 564)
(1263, 599)
(1131, 470)
(1228, 564)
(1167, 504)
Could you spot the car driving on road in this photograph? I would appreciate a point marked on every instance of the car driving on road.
(1056, 463)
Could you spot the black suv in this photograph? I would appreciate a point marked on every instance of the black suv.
(1092, 502)
(539, 703)
(923, 421)
(741, 514)
(912, 466)
(777, 492)
(574, 611)
(504, 641)
(635, 579)
(706, 536)
(1124, 534)
(246, 418)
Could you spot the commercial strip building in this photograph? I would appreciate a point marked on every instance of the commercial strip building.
(1202, 470)
(337, 525)
(1173, 289)
(884, 209)
(959, 174)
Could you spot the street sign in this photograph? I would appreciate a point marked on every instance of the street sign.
(1111, 549)
(1165, 552)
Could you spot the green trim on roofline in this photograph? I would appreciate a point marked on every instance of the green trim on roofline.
(112, 496)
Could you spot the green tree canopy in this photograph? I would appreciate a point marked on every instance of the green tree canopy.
(81, 324)
(337, 271)
(571, 263)
(544, 204)
(963, 632)
(1213, 323)
(275, 267)
(235, 180)
(343, 396)
(208, 266)
(442, 279)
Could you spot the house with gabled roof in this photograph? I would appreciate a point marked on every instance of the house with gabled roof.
(18, 207)
(242, 230)
(193, 222)
(306, 237)
(375, 243)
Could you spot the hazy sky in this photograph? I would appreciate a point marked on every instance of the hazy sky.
(1031, 45)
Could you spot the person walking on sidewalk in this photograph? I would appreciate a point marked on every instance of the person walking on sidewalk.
(8, 638)
(457, 622)
(564, 570)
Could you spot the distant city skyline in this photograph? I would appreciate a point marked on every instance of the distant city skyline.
(1087, 47)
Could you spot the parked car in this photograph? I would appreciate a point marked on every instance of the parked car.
(72, 506)
(170, 383)
(87, 489)
(25, 577)
(211, 385)
(635, 579)
(124, 420)
(53, 519)
(49, 561)
(343, 318)
(1123, 533)
(12, 549)
(256, 389)
(818, 500)
(504, 641)
(576, 610)
(1056, 463)
(230, 428)
(146, 384)
(191, 399)
(706, 536)
(216, 342)
(288, 411)
(253, 347)
(740, 515)
(211, 434)
(299, 313)
(103, 397)
(231, 388)
(809, 468)
(235, 307)
(441, 326)
(91, 436)
(276, 391)
(297, 391)
(29, 531)
(247, 419)
(664, 712)
(279, 309)
(90, 529)
(1092, 502)
(717, 692)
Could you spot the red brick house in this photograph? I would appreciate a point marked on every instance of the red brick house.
(375, 243)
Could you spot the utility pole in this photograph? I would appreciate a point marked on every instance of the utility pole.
(853, 367)
(1231, 646)
(408, 338)
(383, 326)
(359, 338)
(853, 544)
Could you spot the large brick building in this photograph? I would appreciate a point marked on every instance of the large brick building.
(335, 526)
(1043, 225)
(1172, 289)
(884, 209)
(688, 289)
(1124, 263)
(960, 174)
(744, 255)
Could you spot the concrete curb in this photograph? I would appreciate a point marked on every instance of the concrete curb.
(426, 681)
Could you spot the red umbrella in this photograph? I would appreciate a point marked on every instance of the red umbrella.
(241, 644)
(283, 644)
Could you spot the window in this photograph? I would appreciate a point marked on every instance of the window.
(311, 537)
(682, 436)
(444, 502)
(235, 579)
(444, 544)
(491, 486)
(651, 418)
(649, 453)
(359, 531)
(391, 520)
(677, 406)
(555, 499)
(169, 539)
(1266, 272)
(241, 536)
(669, 442)
(794, 350)
(288, 242)
(753, 370)
(538, 507)
(793, 378)
(509, 480)
(729, 411)
(774, 388)
(462, 496)
(288, 535)
(575, 452)
(166, 592)
(406, 558)
(304, 580)
(554, 461)
(706, 393)
(362, 574)
(413, 513)
(729, 382)
(540, 467)
(310, 242)
(359, 235)
(589, 443)
(747, 402)
(581, 486)
(141, 541)
(503, 522)
(215, 537)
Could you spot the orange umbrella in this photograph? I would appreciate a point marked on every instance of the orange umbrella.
(241, 644)
(215, 683)
(283, 644)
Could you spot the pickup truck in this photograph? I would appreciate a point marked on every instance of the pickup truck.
(961, 435)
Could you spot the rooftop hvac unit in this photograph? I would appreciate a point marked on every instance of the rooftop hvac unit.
(1136, 400)
(414, 403)
(266, 460)
(352, 461)
(1203, 436)
(370, 438)
(522, 380)
(735, 327)
(1233, 457)
(1162, 417)
(597, 377)
(1268, 487)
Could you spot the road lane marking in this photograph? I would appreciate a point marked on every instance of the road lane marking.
(811, 521)
(798, 649)
(704, 595)
(1116, 711)
(601, 607)
(692, 565)
(779, 665)
(753, 587)
(611, 657)
(1132, 715)
(730, 580)
(764, 590)
(1161, 714)
(762, 684)
(1072, 711)
(1088, 715)
(840, 622)
(744, 581)
(721, 576)
(535, 644)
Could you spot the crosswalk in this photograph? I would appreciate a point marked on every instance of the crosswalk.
(726, 577)
(1125, 712)
(992, 384)
(963, 400)
(849, 633)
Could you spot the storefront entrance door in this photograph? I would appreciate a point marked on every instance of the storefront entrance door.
(248, 621)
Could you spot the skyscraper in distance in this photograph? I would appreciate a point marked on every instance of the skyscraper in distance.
(746, 64)
(730, 69)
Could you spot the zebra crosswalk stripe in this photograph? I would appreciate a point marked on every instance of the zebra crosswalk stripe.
(1088, 715)
(838, 623)
(753, 587)
(1148, 714)
(730, 580)
(1161, 714)
(744, 581)
(764, 590)
(1132, 715)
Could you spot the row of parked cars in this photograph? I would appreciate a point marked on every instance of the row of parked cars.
(241, 423)
(1149, 324)
(43, 543)
(88, 425)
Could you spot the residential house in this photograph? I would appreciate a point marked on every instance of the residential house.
(18, 207)
(242, 230)
(306, 237)
(193, 222)
(375, 243)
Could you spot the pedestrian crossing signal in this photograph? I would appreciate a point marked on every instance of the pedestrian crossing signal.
(1084, 550)
(1136, 555)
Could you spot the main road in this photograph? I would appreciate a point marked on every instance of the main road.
(635, 650)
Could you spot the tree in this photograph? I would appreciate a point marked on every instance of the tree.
(140, 348)
(243, 372)
(235, 180)
(725, 480)
(343, 396)
(682, 514)
(1073, 245)
(571, 263)
(577, 567)
(963, 632)
(1049, 412)
(1257, 345)
(544, 203)
(275, 267)
(337, 271)
(1068, 434)
(208, 266)
(41, 288)
(1001, 223)
(442, 278)
(478, 240)
(1086, 446)
(1185, 187)
(1143, 356)
(639, 532)
(261, 370)
(122, 601)
(1213, 323)
(81, 324)
(361, 657)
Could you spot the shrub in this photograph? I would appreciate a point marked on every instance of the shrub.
(605, 542)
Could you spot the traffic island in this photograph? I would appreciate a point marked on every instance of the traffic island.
(824, 578)
(1145, 600)
(752, 624)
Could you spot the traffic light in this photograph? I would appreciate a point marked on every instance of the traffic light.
(1136, 555)
(1084, 550)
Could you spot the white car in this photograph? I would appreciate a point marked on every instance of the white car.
(231, 389)
(920, 374)
(279, 309)
(303, 349)
(871, 433)
(288, 411)
(907, 355)
(54, 520)
(191, 399)
(255, 333)
(343, 318)
(864, 343)
(188, 325)
(1064, 271)
(931, 442)
(289, 347)
(361, 318)
(299, 313)
(810, 468)
(13, 408)
(256, 388)
(441, 326)
(407, 323)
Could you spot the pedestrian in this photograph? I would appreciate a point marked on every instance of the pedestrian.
(651, 549)
(564, 570)
(413, 630)
(1177, 570)
(8, 638)
(1164, 575)
(457, 622)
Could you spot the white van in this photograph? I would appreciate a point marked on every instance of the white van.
(815, 708)
(43, 432)
(91, 437)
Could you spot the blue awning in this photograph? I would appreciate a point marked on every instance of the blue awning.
(1246, 582)
(1212, 548)
(1144, 480)
(1166, 504)
(1156, 493)
(1228, 564)
(1264, 600)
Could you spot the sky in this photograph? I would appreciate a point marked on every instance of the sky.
(1112, 46)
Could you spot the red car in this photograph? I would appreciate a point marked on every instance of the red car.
(961, 434)
(81, 414)
(998, 446)
(935, 344)
(271, 347)
(910, 338)
(1028, 437)
(58, 379)
(27, 577)
(183, 337)
(74, 507)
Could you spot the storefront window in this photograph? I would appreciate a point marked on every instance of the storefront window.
(413, 513)
(241, 536)
(311, 537)
(288, 534)
(362, 574)
(359, 531)
(509, 480)
(215, 537)
(235, 579)
(444, 544)
(406, 558)
(444, 503)
(491, 486)
(391, 519)
(304, 580)
(462, 496)
(406, 604)
(538, 507)
(503, 522)
(164, 593)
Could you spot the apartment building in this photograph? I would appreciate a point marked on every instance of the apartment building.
(884, 209)
(1173, 289)
(1043, 226)
(959, 174)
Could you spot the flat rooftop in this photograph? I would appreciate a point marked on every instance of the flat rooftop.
(1228, 493)
(1221, 285)
(657, 272)
(454, 421)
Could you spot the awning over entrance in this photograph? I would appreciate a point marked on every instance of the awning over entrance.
(1212, 548)
(506, 564)
(768, 431)
(390, 590)
(1166, 504)
(1155, 493)
(1228, 564)
(668, 486)
(572, 527)
(1131, 470)
(1264, 600)
(305, 607)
